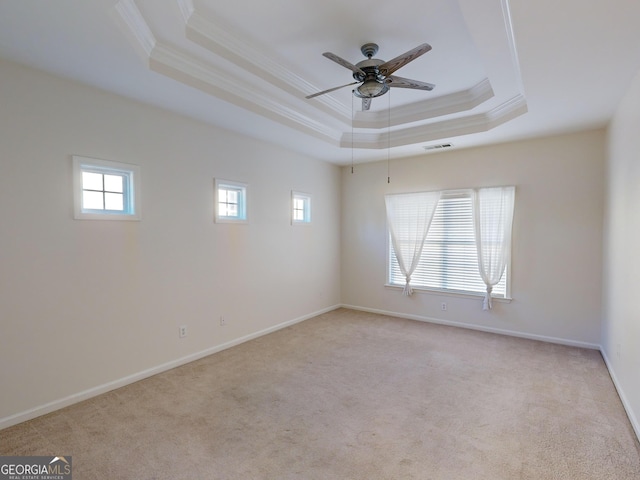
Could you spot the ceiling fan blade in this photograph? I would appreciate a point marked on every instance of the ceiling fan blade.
(400, 82)
(394, 64)
(366, 104)
(344, 63)
(330, 90)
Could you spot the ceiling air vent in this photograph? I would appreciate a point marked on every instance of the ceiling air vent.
(437, 147)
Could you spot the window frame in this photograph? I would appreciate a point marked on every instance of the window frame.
(132, 193)
(242, 189)
(448, 194)
(306, 198)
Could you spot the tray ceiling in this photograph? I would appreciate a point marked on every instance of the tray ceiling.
(262, 67)
(503, 69)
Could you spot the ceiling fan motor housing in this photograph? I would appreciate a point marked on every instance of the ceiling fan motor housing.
(374, 82)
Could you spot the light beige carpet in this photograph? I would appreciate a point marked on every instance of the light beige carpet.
(352, 395)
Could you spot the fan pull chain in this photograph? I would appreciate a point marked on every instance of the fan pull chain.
(389, 141)
(352, 115)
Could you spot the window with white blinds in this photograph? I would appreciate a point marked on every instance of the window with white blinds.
(449, 259)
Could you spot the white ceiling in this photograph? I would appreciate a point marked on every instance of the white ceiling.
(504, 70)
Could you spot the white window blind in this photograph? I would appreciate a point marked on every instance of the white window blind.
(449, 259)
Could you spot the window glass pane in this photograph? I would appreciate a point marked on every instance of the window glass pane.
(298, 209)
(301, 208)
(92, 200)
(91, 181)
(114, 201)
(113, 183)
(227, 210)
(231, 202)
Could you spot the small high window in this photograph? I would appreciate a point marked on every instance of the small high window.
(105, 190)
(301, 208)
(231, 201)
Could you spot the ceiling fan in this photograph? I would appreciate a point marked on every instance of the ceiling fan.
(375, 75)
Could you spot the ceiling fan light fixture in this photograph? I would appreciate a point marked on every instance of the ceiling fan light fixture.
(371, 88)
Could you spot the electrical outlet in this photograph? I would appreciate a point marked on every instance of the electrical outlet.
(443, 306)
(182, 331)
(223, 322)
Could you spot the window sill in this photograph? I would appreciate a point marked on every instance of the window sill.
(107, 216)
(449, 293)
(239, 221)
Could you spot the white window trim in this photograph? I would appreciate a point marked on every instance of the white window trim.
(244, 218)
(134, 196)
(307, 215)
(451, 293)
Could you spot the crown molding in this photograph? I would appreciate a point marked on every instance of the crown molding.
(136, 25)
(444, 105)
(180, 66)
(200, 75)
(268, 87)
(186, 9)
(454, 127)
(511, 42)
(218, 39)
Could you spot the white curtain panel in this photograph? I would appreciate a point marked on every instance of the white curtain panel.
(409, 216)
(493, 219)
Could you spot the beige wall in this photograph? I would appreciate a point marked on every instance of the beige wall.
(557, 239)
(85, 303)
(621, 317)
(88, 305)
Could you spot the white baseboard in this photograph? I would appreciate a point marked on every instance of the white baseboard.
(100, 389)
(511, 333)
(623, 398)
